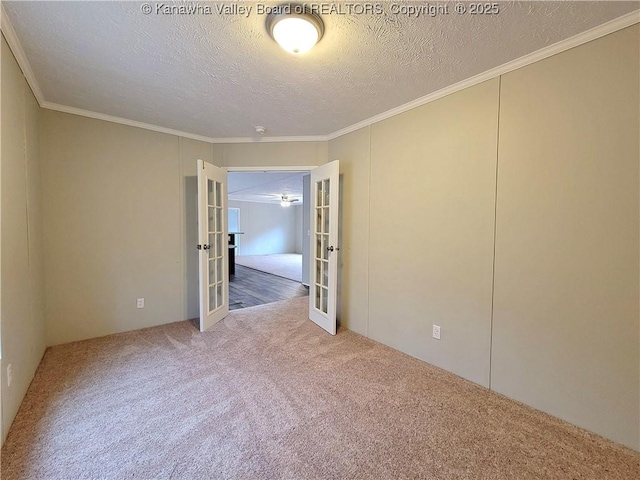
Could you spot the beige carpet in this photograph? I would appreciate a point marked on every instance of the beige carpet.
(287, 265)
(267, 395)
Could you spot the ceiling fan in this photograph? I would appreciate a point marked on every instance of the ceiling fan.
(285, 201)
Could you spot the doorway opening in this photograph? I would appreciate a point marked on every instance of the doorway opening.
(269, 243)
(213, 243)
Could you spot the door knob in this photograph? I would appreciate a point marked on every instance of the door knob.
(331, 249)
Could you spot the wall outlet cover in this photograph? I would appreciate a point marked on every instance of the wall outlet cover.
(140, 303)
(436, 332)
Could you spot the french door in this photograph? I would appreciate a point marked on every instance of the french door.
(212, 244)
(324, 245)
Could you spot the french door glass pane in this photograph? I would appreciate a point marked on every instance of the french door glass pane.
(219, 270)
(210, 192)
(325, 216)
(218, 194)
(318, 271)
(325, 274)
(212, 271)
(219, 295)
(325, 296)
(318, 219)
(211, 223)
(219, 245)
(325, 245)
(212, 240)
(212, 298)
(325, 191)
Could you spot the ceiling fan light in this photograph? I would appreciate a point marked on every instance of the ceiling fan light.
(297, 32)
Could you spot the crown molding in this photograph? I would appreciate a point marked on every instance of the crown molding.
(546, 52)
(18, 53)
(302, 138)
(171, 131)
(123, 121)
(561, 46)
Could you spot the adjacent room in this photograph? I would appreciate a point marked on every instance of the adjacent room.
(269, 230)
(405, 244)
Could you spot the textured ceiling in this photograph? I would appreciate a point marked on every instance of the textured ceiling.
(219, 75)
(265, 187)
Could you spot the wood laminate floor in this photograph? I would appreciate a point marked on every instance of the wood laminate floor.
(248, 288)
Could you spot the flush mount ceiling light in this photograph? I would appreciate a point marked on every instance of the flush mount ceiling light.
(295, 27)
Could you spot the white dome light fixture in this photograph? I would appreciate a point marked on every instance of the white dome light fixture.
(295, 27)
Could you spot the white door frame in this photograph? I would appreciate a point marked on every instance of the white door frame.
(306, 168)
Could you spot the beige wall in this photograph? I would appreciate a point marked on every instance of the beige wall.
(23, 325)
(121, 221)
(565, 327)
(565, 336)
(431, 258)
(276, 154)
(353, 296)
(112, 208)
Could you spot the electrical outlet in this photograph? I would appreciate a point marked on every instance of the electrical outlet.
(140, 303)
(436, 332)
(9, 375)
